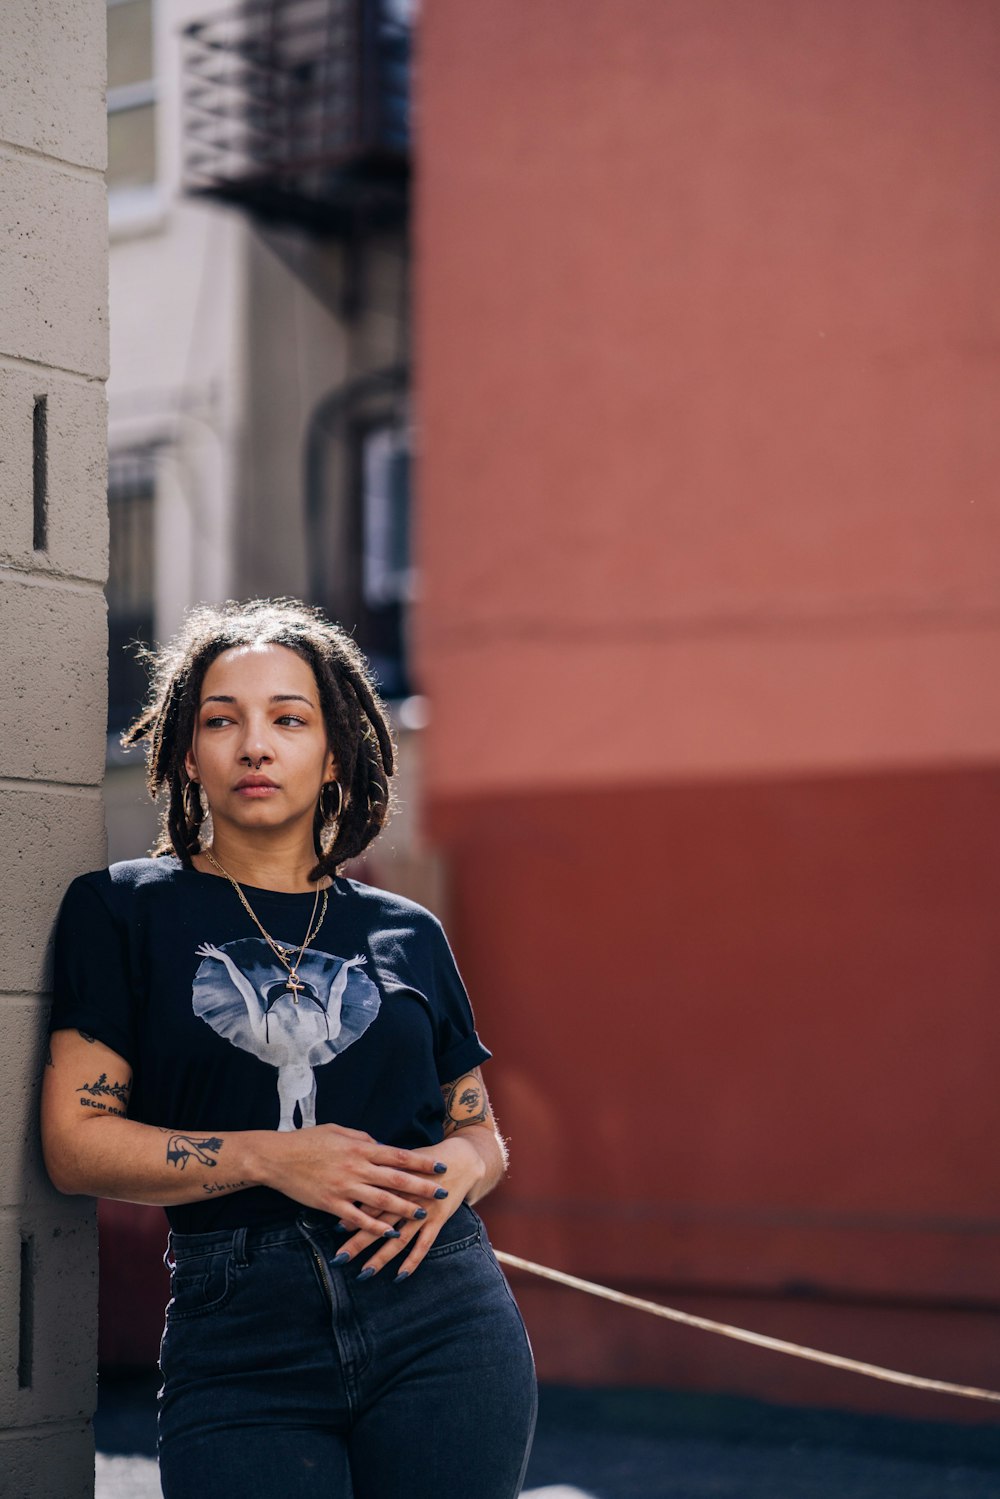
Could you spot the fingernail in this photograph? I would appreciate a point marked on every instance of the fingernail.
(420, 1213)
(340, 1259)
(391, 1233)
(440, 1167)
(441, 1192)
(366, 1273)
(403, 1275)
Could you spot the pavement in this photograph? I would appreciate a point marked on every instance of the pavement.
(658, 1444)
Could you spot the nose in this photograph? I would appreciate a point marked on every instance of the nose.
(256, 747)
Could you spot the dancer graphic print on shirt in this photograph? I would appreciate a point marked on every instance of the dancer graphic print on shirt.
(293, 1028)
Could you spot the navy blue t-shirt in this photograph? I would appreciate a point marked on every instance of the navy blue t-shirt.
(164, 965)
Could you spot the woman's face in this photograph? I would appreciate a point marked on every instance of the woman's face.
(260, 747)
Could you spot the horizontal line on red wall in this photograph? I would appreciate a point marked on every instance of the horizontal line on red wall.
(756, 1216)
(852, 619)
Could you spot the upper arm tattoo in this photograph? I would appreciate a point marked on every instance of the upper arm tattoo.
(107, 1098)
(465, 1102)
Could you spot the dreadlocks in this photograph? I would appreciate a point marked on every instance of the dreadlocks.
(357, 723)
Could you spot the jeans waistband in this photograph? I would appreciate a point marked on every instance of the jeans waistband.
(252, 1236)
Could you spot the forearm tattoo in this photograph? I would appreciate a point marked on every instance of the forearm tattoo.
(182, 1148)
(101, 1093)
(214, 1188)
(465, 1102)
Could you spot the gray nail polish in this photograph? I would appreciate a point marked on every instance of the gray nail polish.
(403, 1275)
(440, 1167)
(391, 1233)
(340, 1259)
(441, 1192)
(366, 1273)
(420, 1213)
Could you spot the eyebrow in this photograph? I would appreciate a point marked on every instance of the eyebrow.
(278, 697)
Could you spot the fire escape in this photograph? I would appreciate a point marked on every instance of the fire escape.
(297, 113)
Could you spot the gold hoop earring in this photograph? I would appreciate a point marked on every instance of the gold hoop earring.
(192, 801)
(324, 798)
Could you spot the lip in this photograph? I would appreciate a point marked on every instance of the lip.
(255, 786)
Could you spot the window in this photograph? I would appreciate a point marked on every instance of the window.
(358, 518)
(131, 486)
(381, 467)
(131, 98)
(385, 499)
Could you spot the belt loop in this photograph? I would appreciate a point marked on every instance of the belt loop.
(240, 1247)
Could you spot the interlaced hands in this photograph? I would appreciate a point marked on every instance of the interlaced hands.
(413, 1237)
(348, 1174)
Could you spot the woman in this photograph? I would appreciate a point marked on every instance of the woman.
(286, 1060)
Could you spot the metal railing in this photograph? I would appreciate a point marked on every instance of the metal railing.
(298, 108)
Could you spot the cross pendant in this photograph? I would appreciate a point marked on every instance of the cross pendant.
(295, 984)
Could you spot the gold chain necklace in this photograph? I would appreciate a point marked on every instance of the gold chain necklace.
(283, 954)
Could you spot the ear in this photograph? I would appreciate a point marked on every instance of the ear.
(330, 771)
(191, 766)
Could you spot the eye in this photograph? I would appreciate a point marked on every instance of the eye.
(291, 718)
(216, 721)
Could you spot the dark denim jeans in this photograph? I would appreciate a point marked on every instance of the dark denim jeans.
(284, 1377)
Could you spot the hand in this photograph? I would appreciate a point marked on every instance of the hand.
(417, 1236)
(207, 950)
(345, 1172)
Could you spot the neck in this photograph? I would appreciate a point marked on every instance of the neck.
(279, 865)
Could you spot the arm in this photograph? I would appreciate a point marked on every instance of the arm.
(240, 982)
(91, 1146)
(468, 1120)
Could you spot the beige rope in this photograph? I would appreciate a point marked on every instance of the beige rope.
(759, 1340)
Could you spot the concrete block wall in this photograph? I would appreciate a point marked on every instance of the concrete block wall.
(53, 644)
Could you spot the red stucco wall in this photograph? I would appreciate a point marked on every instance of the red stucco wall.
(710, 621)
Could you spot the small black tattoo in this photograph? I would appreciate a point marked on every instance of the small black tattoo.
(85, 1036)
(102, 1088)
(212, 1188)
(48, 1055)
(180, 1149)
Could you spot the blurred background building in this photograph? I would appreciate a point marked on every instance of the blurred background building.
(703, 596)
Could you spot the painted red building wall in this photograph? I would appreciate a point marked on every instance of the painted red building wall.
(709, 365)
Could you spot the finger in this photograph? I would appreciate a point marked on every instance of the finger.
(356, 1243)
(390, 1250)
(409, 1161)
(358, 1221)
(428, 1188)
(378, 1202)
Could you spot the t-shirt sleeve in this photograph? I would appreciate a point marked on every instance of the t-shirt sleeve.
(457, 1048)
(91, 988)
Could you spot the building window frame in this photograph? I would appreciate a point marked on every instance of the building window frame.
(129, 204)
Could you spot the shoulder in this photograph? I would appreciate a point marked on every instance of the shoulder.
(117, 886)
(137, 874)
(385, 907)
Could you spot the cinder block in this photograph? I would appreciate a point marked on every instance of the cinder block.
(47, 837)
(52, 74)
(49, 1465)
(23, 1179)
(53, 266)
(53, 704)
(58, 1377)
(77, 470)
